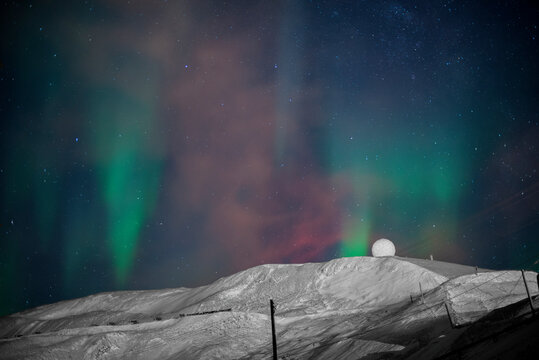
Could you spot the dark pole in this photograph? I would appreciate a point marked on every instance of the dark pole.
(272, 307)
(528, 292)
(449, 315)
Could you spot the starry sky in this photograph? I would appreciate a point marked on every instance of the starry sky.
(152, 144)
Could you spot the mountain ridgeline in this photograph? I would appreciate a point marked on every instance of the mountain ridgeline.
(348, 308)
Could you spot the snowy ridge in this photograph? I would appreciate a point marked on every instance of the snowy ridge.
(345, 307)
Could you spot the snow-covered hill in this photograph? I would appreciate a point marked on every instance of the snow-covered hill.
(346, 308)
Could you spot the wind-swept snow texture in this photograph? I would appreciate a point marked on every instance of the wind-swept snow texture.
(348, 308)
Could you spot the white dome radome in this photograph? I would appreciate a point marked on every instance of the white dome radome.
(383, 247)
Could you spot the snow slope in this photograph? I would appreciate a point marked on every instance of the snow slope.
(345, 308)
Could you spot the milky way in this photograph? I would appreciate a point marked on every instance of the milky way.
(166, 144)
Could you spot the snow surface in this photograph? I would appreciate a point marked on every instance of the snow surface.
(345, 308)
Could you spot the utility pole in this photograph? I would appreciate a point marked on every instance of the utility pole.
(449, 315)
(274, 339)
(421, 290)
(528, 292)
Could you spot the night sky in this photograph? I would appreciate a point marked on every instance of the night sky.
(152, 144)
